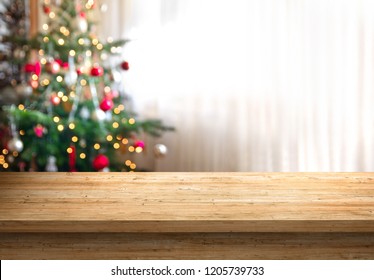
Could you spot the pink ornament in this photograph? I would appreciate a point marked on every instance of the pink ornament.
(100, 162)
(55, 100)
(39, 129)
(106, 104)
(139, 144)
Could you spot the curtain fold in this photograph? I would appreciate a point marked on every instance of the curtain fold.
(254, 85)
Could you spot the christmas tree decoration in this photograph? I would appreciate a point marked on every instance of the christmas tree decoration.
(15, 145)
(51, 164)
(125, 66)
(100, 162)
(106, 104)
(39, 130)
(97, 71)
(160, 150)
(75, 114)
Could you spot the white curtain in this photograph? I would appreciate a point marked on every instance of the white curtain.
(253, 85)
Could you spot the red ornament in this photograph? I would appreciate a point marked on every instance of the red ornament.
(55, 100)
(29, 68)
(100, 162)
(39, 130)
(106, 104)
(82, 15)
(97, 71)
(46, 9)
(37, 68)
(125, 66)
(139, 144)
(52, 67)
(72, 159)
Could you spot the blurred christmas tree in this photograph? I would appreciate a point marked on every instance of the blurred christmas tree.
(77, 117)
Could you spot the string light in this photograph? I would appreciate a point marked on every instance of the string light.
(43, 61)
(5, 151)
(61, 41)
(21, 107)
(109, 138)
(65, 98)
(116, 111)
(45, 82)
(139, 150)
(45, 26)
(56, 119)
(69, 150)
(60, 94)
(128, 162)
(132, 121)
(52, 15)
(131, 149)
(116, 146)
(132, 165)
(97, 146)
(74, 139)
(5, 165)
(46, 39)
(125, 141)
(115, 125)
(72, 53)
(34, 77)
(41, 52)
(83, 82)
(71, 126)
(15, 154)
(95, 42)
(121, 107)
(99, 46)
(60, 127)
(81, 41)
(82, 155)
(21, 132)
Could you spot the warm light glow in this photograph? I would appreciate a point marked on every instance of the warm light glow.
(95, 42)
(125, 141)
(5, 151)
(115, 125)
(52, 15)
(60, 94)
(59, 79)
(131, 149)
(56, 119)
(15, 154)
(43, 61)
(21, 132)
(45, 82)
(21, 107)
(81, 41)
(71, 126)
(109, 40)
(119, 137)
(41, 52)
(139, 150)
(121, 107)
(116, 146)
(61, 41)
(2, 157)
(132, 165)
(83, 82)
(82, 155)
(45, 39)
(69, 150)
(45, 26)
(5, 165)
(132, 121)
(72, 53)
(88, 53)
(60, 127)
(128, 162)
(65, 98)
(107, 89)
(116, 111)
(34, 77)
(97, 146)
(74, 139)
(99, 46)
(109, 138)
(72, 94)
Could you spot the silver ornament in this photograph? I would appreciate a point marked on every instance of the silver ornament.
(84, 113)
(160, 150)
(71, 78)
(98, 115)
(15, 145)
(51, 164)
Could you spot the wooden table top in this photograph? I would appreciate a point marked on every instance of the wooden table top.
(186, 202)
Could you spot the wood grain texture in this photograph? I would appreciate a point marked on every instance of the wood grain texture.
(187, 202)
(186, 246)
(186, 215)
